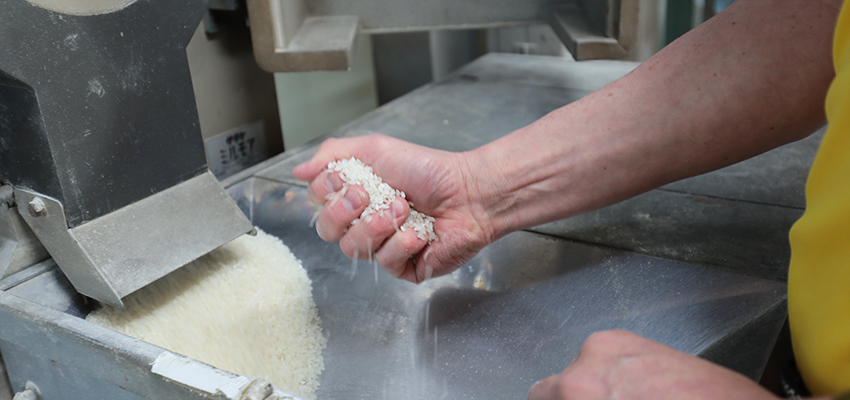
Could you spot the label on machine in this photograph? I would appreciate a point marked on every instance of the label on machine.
(234, 150)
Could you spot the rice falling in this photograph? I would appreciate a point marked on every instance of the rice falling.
(355, 172)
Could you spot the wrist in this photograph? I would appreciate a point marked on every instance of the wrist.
(489, 198)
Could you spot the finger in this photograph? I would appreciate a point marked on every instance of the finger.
(422, 266)
(618, 343)
(344, 207)
(334, 149)
(330, 150)
(585, 378)
(324, 185)
(364, 237)
(395, 255)
(546, 389)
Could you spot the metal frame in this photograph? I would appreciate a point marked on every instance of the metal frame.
(307, 35)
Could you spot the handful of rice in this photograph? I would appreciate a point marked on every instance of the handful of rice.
(355, 172)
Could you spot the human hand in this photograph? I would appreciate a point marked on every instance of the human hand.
(622, 365)
(435, 181)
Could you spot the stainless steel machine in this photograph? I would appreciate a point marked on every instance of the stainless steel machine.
(103, 167)
(101, 144)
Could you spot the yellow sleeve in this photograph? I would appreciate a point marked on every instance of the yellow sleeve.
(819, 276)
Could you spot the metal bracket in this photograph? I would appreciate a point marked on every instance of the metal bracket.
(30, 392)
(7, 196)
(582, 38)
(286, 39)
(125, 250)
(586, 39)
(19, 248)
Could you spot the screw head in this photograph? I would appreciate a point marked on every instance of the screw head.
(37, 208)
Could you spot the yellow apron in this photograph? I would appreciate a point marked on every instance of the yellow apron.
(819, 276)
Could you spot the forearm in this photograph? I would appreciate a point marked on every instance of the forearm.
(750, 79)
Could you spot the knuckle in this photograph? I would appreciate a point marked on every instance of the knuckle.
(574, 385)
(391, 267)
(382, 226)
(409, 244)
(606, 341)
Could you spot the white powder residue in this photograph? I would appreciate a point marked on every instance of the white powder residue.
(355, 172)
(246, 307)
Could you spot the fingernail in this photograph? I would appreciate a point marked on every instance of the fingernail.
(398, 208)
(333, 182)
(320, 230)
(352, 200)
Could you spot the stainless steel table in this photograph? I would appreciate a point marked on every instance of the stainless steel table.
(698, 265)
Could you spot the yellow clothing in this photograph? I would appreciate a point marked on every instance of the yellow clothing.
(819, 276)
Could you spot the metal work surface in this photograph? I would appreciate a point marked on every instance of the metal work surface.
(775, 178)
(520, 310)
(739, 236)
(736, 218)
(515, 314)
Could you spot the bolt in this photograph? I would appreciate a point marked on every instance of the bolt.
(7, 196)
(37, 208)
(30, 392)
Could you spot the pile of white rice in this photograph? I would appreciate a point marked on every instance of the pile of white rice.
(355, 172)
(246, 307)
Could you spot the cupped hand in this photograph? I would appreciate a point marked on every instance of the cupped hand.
(622, 365)
(435, 181)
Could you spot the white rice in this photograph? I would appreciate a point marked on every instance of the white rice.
(246, 307)
(355, 172)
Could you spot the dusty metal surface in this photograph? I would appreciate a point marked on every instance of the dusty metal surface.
(774, 178)
(515, 314)
(520, 310)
